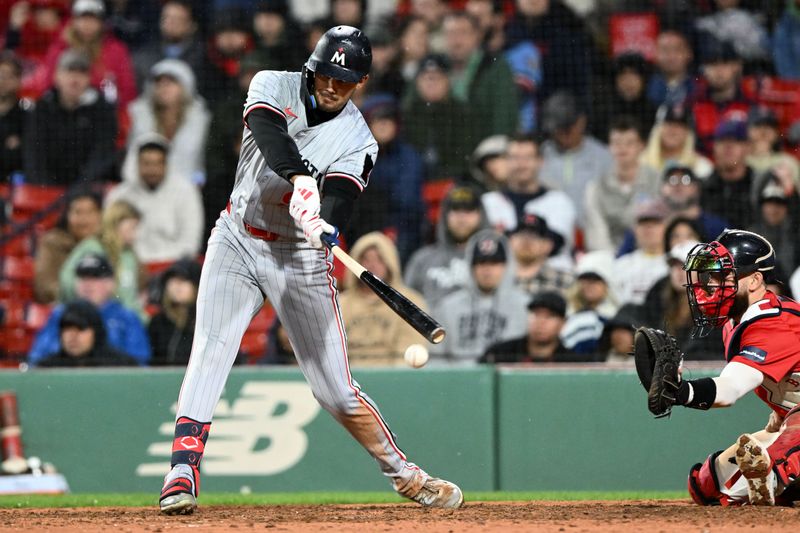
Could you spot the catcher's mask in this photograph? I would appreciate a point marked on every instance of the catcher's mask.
(713, 271)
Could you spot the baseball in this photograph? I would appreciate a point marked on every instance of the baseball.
(416, 355)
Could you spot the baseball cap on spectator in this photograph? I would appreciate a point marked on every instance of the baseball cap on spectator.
(378, 106)
(488, 248)
(89, 7)
(713, 50)
(734, 130)
(538, 226)
(463, 198)
(178, 70)
(675, 114)
(80, 314)
(74, 60)
(94, 266)
(762, 116)
(651, 210)
(560, 112)
(436, 62)
(277, 7)
(597, 265)
(773, 191)
(549, 300)
(679, 175)
(679, 252)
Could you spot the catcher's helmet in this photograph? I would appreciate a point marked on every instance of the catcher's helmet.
(342, 53)
(713, 271)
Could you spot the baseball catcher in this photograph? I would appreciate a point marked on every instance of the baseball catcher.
(726, 283)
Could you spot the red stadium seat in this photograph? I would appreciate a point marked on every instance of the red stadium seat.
(157, 267)
(433, 192)
(13, 313)
(263, 319)
(254, 345)
(29, 199)
(18, 269)
(19, 246)
(14, 290)
(16, 341)
(37, 316)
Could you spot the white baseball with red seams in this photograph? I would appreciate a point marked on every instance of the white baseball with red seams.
(240, 270)
(416, 355)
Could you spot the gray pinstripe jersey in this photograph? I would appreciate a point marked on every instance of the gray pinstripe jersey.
(336, 149)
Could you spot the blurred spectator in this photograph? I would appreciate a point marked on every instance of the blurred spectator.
(82, 340)
(765, 145)
(171, 330)
(12, 116)
(743, 29)
(178, 39)
(524, 194)
(224, 144)
(777, 221)
(348, 13)
(672, 83)
(171, 208)
(532, 243)
(682, 229)
(433, 13)
(115, 241)
(134, 22)
(96, 284)
(719, 96)
(671, 142)
(33, 27)
(385, 75)
(627, 97)
(393, 201)
(414, 37)
(541, 342)
(279, 348)
(488, 309)
(230, 41)
(171, 107)
(110, 67)
(430, 105)
(609, 202)
(277, 37)
(572, 158)
(590, 303)
(80, 220)
(524, 59)
(69, 134)
(491, 21)
(439, 268)
(728, 192)
(637, 271)
(616, 342)
(786, 42)
(479, 79)
(376, 335)
(562, 39)
(666, 307)
(682, 192)
(489, 163)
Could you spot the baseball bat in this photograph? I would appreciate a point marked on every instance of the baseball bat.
(405, 308)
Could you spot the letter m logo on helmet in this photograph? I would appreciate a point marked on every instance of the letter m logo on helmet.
(338, 57)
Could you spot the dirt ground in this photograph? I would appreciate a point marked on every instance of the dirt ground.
(507, 517)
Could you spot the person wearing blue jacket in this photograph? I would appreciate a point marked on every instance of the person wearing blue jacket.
(96, 283)
(786, 42)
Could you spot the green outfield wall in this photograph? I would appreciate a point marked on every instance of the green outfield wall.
(504, 429)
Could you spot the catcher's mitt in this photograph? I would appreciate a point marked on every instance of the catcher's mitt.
(658, 359)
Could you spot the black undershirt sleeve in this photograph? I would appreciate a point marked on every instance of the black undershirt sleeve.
(272, 138)
(338, 198)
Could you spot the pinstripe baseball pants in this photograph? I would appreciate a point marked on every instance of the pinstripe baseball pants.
(238, 273)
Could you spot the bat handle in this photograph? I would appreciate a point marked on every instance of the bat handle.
(330, 239)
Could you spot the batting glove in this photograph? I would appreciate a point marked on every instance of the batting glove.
(305, 199)
(313, 229)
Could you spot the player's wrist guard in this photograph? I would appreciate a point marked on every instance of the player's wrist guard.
(697, 393)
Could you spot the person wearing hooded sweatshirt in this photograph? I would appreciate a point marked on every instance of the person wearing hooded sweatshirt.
(171, 225)
(376, 335)
(171, 107)
(439, 268)
(171, 330)
(488, 309)
(83, 341)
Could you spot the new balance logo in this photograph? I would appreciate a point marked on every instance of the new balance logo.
(338, 57)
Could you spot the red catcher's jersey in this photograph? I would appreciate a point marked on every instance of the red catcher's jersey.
(768, 339)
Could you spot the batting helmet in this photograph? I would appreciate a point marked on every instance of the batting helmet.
(342, 53)
(713, 271)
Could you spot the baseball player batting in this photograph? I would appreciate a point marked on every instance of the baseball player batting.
(306, 156)
(727, 287)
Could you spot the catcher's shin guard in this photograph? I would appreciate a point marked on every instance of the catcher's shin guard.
(703, 483)
(182, 484)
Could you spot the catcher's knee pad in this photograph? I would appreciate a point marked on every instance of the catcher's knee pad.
(703, 483)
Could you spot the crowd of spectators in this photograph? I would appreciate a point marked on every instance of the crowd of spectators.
(544, 165)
